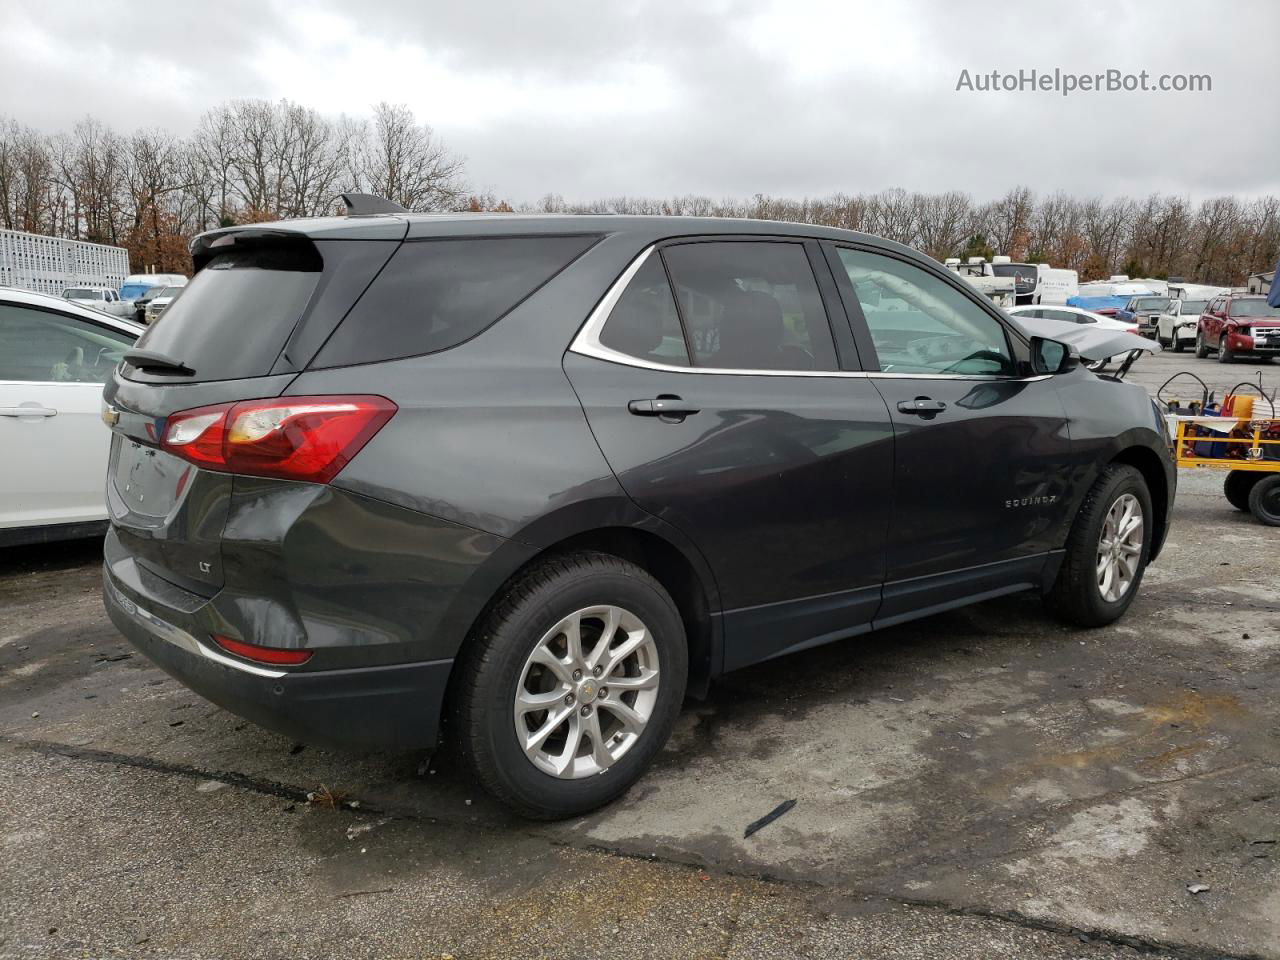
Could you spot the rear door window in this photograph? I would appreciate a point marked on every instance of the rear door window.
(751, 305)
(235, 315)
(436, 294)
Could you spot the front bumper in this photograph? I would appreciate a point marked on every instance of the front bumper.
(388, 707)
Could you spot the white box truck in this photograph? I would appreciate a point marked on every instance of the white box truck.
(50, 265)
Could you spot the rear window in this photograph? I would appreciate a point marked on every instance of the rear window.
(235, 315)
(436, 294)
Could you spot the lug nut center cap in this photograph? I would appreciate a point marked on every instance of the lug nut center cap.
(587, 690)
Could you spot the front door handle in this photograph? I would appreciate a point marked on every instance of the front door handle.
(31, 411)
(925, 406)
(667, 406)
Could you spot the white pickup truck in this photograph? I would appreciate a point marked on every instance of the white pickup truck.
(99, 298)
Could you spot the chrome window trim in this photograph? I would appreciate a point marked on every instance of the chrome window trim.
(587, 344)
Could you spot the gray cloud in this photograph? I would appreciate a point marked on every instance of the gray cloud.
(729, 98)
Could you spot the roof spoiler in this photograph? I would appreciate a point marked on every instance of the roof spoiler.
(365, 204)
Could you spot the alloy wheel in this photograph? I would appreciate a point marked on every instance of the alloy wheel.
(586, 692)
(1120, 548)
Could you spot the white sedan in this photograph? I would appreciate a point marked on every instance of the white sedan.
(1067, 314)
(54, 358)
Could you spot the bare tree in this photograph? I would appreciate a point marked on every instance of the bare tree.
(406, 162)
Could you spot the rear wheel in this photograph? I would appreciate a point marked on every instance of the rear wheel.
(1107, 550)
(1202, 348)
(1237, 487)
(1225, 355)
(1264, 500)
(571, 685)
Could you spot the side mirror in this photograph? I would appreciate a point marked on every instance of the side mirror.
(1052, 356)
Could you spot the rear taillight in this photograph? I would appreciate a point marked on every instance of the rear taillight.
(277, 656)
(290, 438)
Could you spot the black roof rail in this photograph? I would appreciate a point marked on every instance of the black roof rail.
(364, 204)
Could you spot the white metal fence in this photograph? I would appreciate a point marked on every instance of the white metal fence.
(51, 264)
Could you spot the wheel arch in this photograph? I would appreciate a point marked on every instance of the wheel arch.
(1147, 462)
(686, 578)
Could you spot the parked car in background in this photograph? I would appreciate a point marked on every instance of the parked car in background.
(157, 304)
(1144, 311)
(1176, 326)
(97, 298)
(1239, 325)
(137, 284)
(144, 300)
(569, 468)
(1066, 314)
(54, 357)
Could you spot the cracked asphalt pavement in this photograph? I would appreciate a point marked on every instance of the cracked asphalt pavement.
(982, 784)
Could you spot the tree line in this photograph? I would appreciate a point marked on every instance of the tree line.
(255, 160)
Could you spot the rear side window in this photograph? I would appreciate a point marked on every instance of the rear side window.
(436, 294)
(751, 305)
(644, 322)
(235, 315)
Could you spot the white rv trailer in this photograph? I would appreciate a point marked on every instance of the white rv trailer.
(1033, 283)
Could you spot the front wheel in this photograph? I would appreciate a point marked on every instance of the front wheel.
(1264, 500)
(1202, 348)
(1107, 550)
(1178, 345)
(571, 685)
(1225, 355)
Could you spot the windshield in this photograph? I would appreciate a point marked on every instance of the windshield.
(1192, 306)
(1152, 304)
(1024, 272)
(1252, 308)
(82, 293)
(132, 291)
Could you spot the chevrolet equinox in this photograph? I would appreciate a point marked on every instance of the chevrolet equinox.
(530, 480)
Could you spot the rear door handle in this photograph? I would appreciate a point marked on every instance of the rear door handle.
(32, 411)
(922, 405)
(662, 407)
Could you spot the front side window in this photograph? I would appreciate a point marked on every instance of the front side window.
(922, 324)
(751, 305)
(644, 323)
(37, 346)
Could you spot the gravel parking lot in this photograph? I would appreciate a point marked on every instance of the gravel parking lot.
(984, 783)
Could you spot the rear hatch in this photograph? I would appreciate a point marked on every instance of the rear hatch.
(261, 304)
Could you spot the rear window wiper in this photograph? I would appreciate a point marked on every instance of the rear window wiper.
(151, 360)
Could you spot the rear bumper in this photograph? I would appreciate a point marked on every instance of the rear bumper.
(386, 707)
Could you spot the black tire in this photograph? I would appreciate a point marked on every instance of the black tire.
(1264, 500)
(1202, 348)
(1075, 596)
(1178, 345)
(1225, 355)
(492, 664)
(1238, 485)
(1163, 342)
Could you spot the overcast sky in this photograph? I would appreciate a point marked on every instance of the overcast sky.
(593, 98)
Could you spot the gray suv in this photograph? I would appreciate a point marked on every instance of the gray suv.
(534, 479)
